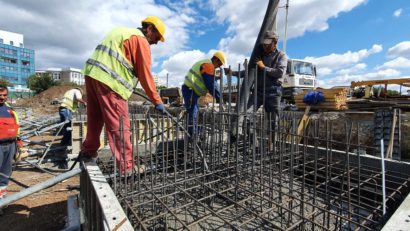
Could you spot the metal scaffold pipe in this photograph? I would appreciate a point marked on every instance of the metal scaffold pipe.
(38, 187)
(267, 24)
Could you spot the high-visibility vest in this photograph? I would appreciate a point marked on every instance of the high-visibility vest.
(9, 126)
(109, 65)
(69, 101)
(194, 80)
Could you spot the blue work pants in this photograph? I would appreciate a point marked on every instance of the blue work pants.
(65, 114)
(7, 152)
(192, 107)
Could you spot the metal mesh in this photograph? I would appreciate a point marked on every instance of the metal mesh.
(262, 177)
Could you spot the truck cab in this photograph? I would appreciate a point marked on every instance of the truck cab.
(300, 75)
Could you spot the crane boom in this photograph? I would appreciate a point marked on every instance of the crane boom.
(404, 82)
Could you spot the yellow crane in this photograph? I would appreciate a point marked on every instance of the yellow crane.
(404, 82)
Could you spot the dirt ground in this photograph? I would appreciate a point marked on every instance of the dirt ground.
(44, 210)
(47, 209)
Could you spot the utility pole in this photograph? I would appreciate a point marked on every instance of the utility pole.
(167, 79)
(286, 26)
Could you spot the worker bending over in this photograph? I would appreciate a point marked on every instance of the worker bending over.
(200, 80)
(111, 74)
(68, 105)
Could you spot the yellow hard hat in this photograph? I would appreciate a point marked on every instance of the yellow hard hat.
(158, 23)
(221, 56)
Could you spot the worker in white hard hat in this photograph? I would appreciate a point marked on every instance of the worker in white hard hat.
(69, 104)
(111, 73)
(200, 80)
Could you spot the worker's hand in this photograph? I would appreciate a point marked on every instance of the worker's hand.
(161, 108)
(226, 71)
(21, 154)
(260, 64)
(19, 143)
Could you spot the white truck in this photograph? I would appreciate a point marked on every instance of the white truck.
(300, 75)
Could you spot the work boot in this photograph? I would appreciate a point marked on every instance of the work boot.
(88, 157)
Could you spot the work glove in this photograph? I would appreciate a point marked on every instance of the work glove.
(161, 108)
(260, 64)
(226, 71)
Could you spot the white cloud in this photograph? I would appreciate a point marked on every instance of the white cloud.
(356, 68)
(73, 28)
(400, 49)
(338, 61)
(346, 79)
(245, 18)
(397, 12)
(178, 64)
(398, 63)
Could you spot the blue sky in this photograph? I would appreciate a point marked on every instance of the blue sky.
(347, 39)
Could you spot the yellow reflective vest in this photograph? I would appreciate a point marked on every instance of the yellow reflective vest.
(109, 65)
(194, 80)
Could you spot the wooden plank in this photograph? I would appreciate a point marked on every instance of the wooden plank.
(389, 153)
(302, 125)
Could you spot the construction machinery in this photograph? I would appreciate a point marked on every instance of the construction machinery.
(364, 89)
(300, 75)
(172, 96)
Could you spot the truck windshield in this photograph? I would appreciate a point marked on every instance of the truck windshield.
(303, 68)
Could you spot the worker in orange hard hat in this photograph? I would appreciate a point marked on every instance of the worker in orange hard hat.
(200, 80)
(111, 73)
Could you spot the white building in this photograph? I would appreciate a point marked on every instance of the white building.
(12, 39)
(66, 75)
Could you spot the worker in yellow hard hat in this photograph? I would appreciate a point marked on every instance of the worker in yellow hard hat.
(200, 80)
(111, 73)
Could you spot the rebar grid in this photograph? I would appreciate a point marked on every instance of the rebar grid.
(266, 178)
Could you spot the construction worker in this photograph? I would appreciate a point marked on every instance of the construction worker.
(9, 140)
(69, 104)
(273, 63)
(200, 80)
(111, 74)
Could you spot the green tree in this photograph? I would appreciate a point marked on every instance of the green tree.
(161, 87)
(5, 83)
(40, 82)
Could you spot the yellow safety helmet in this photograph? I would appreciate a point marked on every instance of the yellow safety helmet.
(221, 56)
(158, 23)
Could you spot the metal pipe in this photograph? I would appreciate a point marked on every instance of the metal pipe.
(267, 24)
(38, 187)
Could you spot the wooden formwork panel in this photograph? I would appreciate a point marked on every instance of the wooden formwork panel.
(152, 130)
(78, 133)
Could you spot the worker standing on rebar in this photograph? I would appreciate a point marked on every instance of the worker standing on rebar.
(69, 104)
(9, 140)
(271, 66)
(200, 80)
(111, 74)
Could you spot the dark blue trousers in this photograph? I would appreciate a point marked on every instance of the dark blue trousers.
(192, 107)
(65, 114)
(7, 152)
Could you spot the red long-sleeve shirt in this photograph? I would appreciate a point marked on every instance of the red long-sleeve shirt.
(137, 50)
